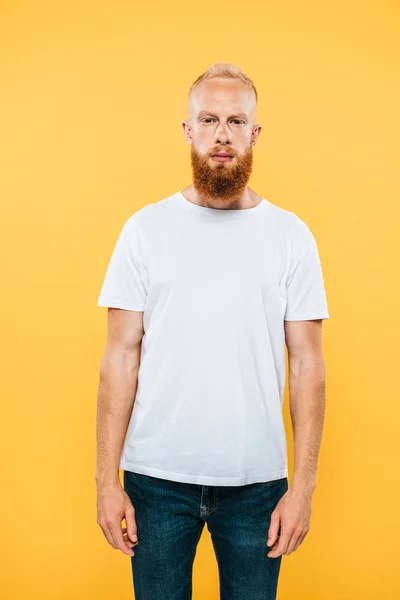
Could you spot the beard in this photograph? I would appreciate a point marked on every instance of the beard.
(221, 180)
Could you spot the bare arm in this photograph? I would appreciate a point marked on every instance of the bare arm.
(117, 389)
(307, 409)
(116, 396)
(306, 397)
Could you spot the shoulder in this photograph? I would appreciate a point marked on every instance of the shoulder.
(150, 214)
(287, 221)
(292, 227)
(301, 232)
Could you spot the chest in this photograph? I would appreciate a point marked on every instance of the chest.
(217, 260)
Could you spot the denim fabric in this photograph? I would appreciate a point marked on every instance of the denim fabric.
(170, 517)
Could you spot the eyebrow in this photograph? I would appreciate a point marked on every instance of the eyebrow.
(204, 113)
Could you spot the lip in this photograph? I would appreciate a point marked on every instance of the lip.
(222, 157)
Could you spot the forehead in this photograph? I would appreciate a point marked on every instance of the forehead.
(222, 96)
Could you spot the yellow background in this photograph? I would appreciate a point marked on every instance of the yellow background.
(92, 99)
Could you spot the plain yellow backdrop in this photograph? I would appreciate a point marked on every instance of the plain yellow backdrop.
(92, 98)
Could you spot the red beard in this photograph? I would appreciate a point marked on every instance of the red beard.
(225, 181)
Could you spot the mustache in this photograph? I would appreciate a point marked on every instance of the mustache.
(226, 150)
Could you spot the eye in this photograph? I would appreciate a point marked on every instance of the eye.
(212, 119)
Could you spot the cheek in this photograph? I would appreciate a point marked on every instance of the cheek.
(203, 138)
(243, 139)
(203, 143)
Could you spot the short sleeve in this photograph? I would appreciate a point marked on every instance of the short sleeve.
(124, 283)
(305, 289)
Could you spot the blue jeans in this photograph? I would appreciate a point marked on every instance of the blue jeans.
(170, 517)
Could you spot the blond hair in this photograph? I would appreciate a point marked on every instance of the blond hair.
(227, 70)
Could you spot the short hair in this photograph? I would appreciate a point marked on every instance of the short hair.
(227, 70)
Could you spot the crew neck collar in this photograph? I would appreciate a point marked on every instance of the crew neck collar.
(219, 211)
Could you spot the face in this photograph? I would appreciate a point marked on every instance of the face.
(221, 120)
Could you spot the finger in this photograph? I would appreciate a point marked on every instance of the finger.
(273, 529)
(275, 545)
(282, 544)
(124, 533)
(273, 552)
(120, 544)
(297, 544)
(131, 523)
(128, 540)
(108, 535)
(292, 543)
(299, 541)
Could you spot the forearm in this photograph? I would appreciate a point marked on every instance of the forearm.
(116, 396)
(307, 410)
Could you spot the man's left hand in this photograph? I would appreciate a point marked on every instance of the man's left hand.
(292, 514)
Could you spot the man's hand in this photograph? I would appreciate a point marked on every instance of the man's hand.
(292, 514)
(113, 505)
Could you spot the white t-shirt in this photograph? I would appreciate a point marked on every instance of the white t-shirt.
(215, 286)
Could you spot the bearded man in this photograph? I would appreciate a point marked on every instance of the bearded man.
(204, 289)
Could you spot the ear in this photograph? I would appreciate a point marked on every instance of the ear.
(255, 134)
(187, 130)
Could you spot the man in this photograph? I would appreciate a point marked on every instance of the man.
(204, 289)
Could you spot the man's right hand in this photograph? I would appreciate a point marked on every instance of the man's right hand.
(114, 505)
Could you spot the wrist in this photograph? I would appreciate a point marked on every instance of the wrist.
(104, 482)
(302, 485)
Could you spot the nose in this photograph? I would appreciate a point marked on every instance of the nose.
(222, 134)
